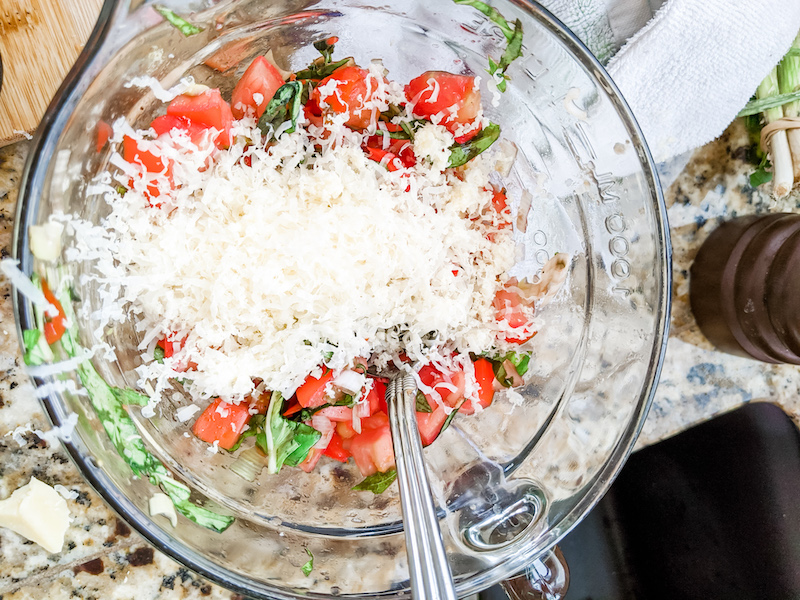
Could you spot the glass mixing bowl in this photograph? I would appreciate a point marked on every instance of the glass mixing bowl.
(511, 481)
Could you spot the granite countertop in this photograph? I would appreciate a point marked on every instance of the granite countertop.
(103, 558)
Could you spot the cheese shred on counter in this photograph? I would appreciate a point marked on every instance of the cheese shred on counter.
(267, 262)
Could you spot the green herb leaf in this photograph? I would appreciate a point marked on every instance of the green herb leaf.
(318, 72)
(158, 354)
(513, 38)
(277, 112)
(520, 360)
(500, 373)
(760, 176)
(128, 396)
(493, 14)
(256, 426)
(179, 494)
(377, 482)
(284, 441)
(422, 403)
(179, 23)
(309, 566)
(461, 154)
(30, 337)
(451, 416)
(325, 48)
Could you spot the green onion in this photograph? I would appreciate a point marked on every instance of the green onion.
(179, 23)
(422, 403)
(789, 83)
(783, 174)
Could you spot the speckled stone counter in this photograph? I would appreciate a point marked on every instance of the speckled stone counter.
(102, 558)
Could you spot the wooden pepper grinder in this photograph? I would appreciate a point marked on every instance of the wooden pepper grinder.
(745, 287)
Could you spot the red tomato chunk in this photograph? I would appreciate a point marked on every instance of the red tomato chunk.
(255, 89)
(222, 422)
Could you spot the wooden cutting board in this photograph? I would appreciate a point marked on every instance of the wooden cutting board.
(39, 42)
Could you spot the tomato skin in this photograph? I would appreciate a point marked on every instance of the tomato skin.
(336, 450)
(377, 397)
(312, 392)
(372, 448)
(512, 310)
(393, 162)
(484, 374)
(261, 77)
(443, 384)
(104, 132)
(350, 96)
(453, 91)
(207, 109)
(430, 424)
(54, 327)
(211, 426)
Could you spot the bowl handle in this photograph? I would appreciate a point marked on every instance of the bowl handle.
(546, 578)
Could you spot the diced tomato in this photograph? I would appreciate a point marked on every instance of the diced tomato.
(311, 460)
(261, 78)
(335, 449)
(390, 160)
(345, 429)
(166, 123)
(372, 448)
(377, 397)
(54, 327)
(261, 402)
(312, 392)
(453, 98)
(207, 109)
(294, 407)
(222, 422)
(104, 132)
(350, 96)
(449, 386)
(430, 424)
(484, 374)
(516, 314)
(132, 153)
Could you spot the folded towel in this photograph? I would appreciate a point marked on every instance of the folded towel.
(688, 66)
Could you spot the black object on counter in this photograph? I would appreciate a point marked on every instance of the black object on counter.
(710, 514)
(745, 287)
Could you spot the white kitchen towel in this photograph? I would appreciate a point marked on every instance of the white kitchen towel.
(688, 66)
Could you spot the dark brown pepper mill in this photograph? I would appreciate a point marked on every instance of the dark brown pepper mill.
(745, 287)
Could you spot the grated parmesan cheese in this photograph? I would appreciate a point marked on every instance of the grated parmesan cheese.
(312, 251)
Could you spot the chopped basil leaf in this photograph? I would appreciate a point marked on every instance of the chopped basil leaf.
(30, 337)
(520, 360)
(284, 441)
(377, 482)
(500, 373)
(493, 14)
(158, 354)
(422, 403)
(256, 426)
(451, 416)
(128, 396)
(760, 176)
(461, 154)
(325, 47)
(277, 112)
(122, 190)
(179, 23)
(317, 72)
(309, 566)
(513, 38)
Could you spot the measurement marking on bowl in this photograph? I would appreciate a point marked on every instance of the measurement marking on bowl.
(619, 245)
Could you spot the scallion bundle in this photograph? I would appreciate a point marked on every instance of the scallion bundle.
(778, 101)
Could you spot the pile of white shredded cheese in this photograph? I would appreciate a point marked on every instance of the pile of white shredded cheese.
(269, 261)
